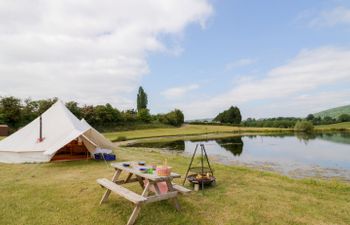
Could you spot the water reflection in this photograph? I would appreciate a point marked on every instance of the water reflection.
(178, 145)
(233, 145)
(287, 151)
(338, 137)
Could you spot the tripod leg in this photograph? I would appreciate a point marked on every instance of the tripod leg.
(206, 156)
(189, 167)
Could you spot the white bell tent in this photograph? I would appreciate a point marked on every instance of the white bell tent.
(56, 133)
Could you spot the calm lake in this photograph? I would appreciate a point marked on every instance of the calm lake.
(319, 155)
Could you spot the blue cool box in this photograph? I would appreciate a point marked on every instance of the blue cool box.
(107, 157)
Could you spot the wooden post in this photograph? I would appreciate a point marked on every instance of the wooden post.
(196, 187)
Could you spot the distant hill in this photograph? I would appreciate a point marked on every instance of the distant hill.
(200, 120)
(334, 112)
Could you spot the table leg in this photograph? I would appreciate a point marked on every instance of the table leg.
(156, 188)
(134, 215)
(146, 190)
(140, 182)
(137, 208)
(108, 192)
(171, 188)
(128, 178)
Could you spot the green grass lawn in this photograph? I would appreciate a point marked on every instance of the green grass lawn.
(186, 130)
(67, 194)
(345, 125)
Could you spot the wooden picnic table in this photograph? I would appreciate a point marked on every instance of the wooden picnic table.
(148, 182)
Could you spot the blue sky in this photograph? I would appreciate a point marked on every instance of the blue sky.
(248, 39)
(270, 58)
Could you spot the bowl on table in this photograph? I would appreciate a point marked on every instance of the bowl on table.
(143, 169)
(126, 164)
(142, 163)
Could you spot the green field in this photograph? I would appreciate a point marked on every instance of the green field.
(337, 126)
(67, 193)
(188, 130)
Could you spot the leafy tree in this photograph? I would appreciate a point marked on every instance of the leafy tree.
(310, 117)
(10, 109)
(74, 108)
(317, 120)
(88, 113)
(174, 118)
(344, 118)
(30, 111)
(304, 126)
(144, 115)
(45, 104)
(142, 100)
(328, 120)
(232, 115)
(106, 114)
(129, 115)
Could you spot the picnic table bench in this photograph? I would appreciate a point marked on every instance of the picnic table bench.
(148, 182)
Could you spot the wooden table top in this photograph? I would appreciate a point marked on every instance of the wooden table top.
(134, 169)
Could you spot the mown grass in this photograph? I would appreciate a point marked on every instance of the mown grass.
(67, 194)
(187, 130)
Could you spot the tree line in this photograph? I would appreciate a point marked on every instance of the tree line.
(278, 122)
(327, 119)
(17, 113)
(290, 122)
(233, 116)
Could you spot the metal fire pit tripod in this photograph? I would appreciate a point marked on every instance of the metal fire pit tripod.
(206, 173)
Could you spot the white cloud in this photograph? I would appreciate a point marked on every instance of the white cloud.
(177, 92)
(299, 105)
(89, 51)
(338, 15)
(239, 63)
(308, 73)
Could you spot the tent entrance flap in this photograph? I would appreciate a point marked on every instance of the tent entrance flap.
(75, 150)
(89, 144)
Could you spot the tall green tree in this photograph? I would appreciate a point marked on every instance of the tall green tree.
(232, 115)
(142, 100)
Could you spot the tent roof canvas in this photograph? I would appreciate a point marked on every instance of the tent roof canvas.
(59, 127)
